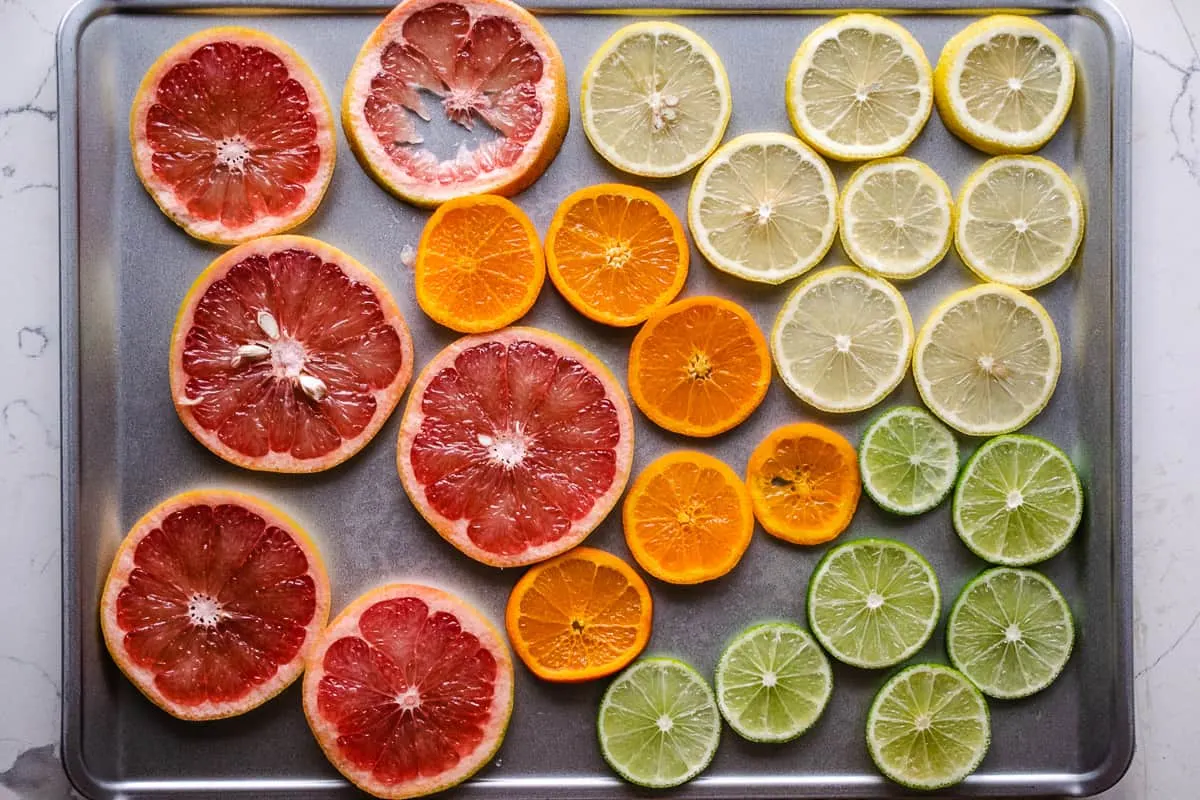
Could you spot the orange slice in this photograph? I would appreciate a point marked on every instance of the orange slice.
(583, 615)
(479, 264)
(699, 367)
(688, 518)
(617, 253)
(232, 135)
(804, 483)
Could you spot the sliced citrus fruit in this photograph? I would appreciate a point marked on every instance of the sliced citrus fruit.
(232, 135)
(617, 253)
(842, 340)
(928, 727)
(409, 691)
(987, 360)
(1004, 84)
(773, 682)
(803, 482)
(655, 99)
(492, 64)
(896, 217)
(688, 518)
(212, 603)
(479, 264)
(658, 724)
(859, 87)
(908, 460)
(699, 366)
(873, 602)
(287, 355)
(1020, 221)
(763, 208)
(515, 445)
(580, 616)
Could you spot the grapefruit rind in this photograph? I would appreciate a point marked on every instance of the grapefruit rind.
(123, 565)
(213, 230)
(471, 621)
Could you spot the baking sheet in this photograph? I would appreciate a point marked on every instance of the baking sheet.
(125, 268)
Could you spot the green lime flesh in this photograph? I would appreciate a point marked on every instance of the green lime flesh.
(908, 460)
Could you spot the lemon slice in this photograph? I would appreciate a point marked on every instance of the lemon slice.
(895, 217)
(1004, 84)
(655, 99)
(987, 360)
(763, 208)
(842, 340)
(859, 87)
(1020, 221)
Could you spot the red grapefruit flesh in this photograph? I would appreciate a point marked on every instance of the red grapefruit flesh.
(232, 135)
(485, 62)
(515, 445)
(288, 356)
(409, 691)
(212, 603)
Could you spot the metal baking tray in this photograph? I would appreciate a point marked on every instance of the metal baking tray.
(125, 268)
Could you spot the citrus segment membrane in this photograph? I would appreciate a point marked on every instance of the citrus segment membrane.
(212, 602)
(232, 135)
(515, 445)
(287, 355)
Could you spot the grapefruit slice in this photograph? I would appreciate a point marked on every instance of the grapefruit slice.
(515, 445)
(409, 691)
(489, 63)
(288, 356)
(232, 135)
(212, 603)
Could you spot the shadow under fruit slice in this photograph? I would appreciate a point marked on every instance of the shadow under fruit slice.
(232, 135)
(288, 356)
(490, 64)
(409, 691)
(212, 603)
(515, 445)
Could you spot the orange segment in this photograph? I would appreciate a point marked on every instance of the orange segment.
(688, 518)
(479, 264)
(583, 615)
(699, 367)
(804, 483)
(617, 253)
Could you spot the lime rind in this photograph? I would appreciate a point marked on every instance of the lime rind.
(981, 624)
(987, 499)
(659, 725)
(848, 602)
(884, 460)
(773, 682)
(962, 717)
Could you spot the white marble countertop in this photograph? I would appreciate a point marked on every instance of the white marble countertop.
(1166, 383)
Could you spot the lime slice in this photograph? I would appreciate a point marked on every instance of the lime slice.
(895, 217)
(908, 460)
(655, 99)
(987, 360)
(842, 340)
(773, 682)
(1019, 501)
(859, 87)
(1010, 632)
(658, 723)
(1004, 84)
(1020, 221)
(873, 602)
(928, 727)
(763, 208)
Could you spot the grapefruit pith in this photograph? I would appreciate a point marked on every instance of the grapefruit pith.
(232, 135)
(489, 63)
(212, 603)
(515, 445)
(409, 691)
